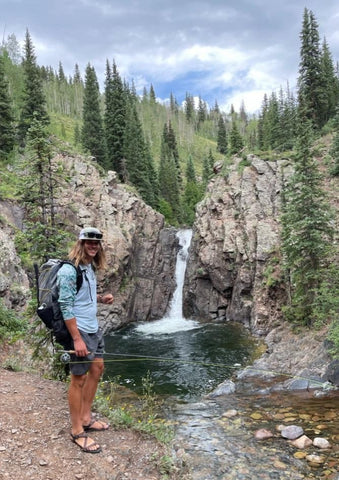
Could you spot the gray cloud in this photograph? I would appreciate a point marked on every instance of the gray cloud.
(235, 49)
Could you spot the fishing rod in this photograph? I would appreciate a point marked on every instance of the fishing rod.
(66, 358)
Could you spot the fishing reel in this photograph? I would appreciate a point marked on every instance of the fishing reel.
(65, 357)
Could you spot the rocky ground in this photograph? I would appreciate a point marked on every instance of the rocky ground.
(35, 441)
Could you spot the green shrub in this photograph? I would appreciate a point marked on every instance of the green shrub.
(11, 326)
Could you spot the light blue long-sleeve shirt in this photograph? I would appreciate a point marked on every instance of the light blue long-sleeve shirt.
(81, 305)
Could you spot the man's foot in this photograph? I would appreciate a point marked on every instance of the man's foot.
(95, 426)
(85, 443)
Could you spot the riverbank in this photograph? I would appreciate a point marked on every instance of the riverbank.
(296, 356)
(35, 441)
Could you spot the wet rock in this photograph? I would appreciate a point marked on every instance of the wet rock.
(332, 373)
(280, 465)
(256, 416)
(302, 442)
(292, 432)
(224, 388)
(303, 383)
(230, 413)
(300, 455)
(315, 460)
(263, 434)
(321, 443)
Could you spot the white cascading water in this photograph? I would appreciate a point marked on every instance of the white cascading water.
(174, 320)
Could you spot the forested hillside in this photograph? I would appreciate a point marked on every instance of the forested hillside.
(169, 152)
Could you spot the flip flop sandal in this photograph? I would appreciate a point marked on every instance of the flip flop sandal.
(90, 428)
(85, 448)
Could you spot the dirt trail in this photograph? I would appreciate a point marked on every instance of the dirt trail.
(35, 441)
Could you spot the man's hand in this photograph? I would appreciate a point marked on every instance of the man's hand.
(80, 348)
(108, 299)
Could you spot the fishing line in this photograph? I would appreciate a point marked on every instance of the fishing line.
(66, 358)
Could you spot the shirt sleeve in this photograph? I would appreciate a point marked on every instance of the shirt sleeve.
(67, 287)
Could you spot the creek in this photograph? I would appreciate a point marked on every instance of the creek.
(186, 361)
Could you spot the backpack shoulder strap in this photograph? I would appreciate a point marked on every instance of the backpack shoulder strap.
(78, 272)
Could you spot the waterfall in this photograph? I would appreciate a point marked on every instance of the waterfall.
(184, 237)
(174, 320)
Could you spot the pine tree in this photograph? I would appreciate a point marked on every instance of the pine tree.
(207, 171)
(172, 144)
(189, 107)
(34, 102)
(202, 112)
(115, 119)
(272, 121)
(261, 133)
(311, 93)
(330, 83)
(287, 120)
(243, 114)
(61, 73)
(38, 185)
(92, 133)
(236, 140)
(7, 131)
(77, 134)
(174, 104)
(222, 144)
(140, 171)
(334, 151)
(152, 95)
(307, 230)
(169, 189)
(192, 194)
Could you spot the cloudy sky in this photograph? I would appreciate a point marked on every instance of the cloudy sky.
(227, 51)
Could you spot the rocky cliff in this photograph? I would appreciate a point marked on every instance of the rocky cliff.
(232, 273)
(140, 250)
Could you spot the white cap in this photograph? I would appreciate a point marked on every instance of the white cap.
(90, 233)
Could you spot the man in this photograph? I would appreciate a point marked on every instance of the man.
(79, 311)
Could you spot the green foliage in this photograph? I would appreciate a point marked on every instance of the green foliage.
(139, 169)
(139, 413)
(92, 133)
(334, 150)
(38, 182)
(317, 83)
(222, 136)
(307, 232)
(115, 119)
(34, 102)
(273, 274)
(169, 174)
(244, 162)
(193, 194)
(166, 210)
(12, 326)
(236, 140)
(7, 132)
(333, 336)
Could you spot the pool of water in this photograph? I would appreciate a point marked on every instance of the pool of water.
(187, 360)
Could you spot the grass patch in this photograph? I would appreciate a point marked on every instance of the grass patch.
(139, 412)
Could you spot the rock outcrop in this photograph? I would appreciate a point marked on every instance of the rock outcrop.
(232, 272)
(14, 282)
(140, 250)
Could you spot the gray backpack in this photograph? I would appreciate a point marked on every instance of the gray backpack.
(48, 309)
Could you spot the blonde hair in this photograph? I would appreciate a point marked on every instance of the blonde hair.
(77, 255)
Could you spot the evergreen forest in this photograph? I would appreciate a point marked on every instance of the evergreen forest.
(168, 152)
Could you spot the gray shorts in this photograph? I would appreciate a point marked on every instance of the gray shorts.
(95, 345)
